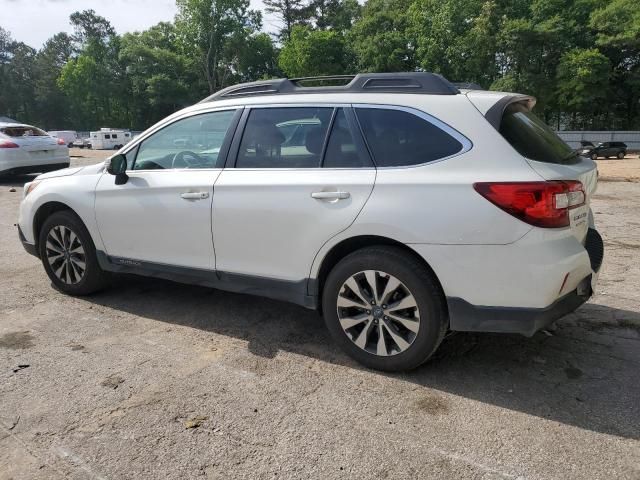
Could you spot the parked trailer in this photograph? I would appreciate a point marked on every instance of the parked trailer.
(109, 139)
(69, 136)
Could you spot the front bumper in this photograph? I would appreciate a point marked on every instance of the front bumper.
(29, 247)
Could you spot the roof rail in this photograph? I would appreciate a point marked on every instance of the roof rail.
(408, 82)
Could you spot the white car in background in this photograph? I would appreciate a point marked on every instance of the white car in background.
(397, 205)
(28, 149)
(69, 136)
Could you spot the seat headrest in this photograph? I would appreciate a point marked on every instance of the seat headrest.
(267, 134)
(314, 140)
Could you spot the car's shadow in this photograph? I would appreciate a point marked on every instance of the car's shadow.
(16, 180)
(584, 373)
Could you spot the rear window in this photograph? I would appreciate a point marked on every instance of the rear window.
(23, 131)
(532, 138)
(398, 138)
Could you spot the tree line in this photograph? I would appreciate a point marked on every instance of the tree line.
(580, 58)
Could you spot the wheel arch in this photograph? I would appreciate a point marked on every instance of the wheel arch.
(349, 245)
(43, 212)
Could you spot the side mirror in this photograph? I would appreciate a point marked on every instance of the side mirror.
(118, 166)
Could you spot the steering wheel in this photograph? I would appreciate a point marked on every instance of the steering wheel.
(180, 159)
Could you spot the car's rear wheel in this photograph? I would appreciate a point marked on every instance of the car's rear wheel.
(620, 155)
(69, 256)
(594, 156)
(384, 308)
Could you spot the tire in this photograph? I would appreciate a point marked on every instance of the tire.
(413, 284)
(70, 145)
(57, 246)
(594, 156)
(620, 155)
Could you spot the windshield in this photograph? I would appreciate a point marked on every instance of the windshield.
(532, 138)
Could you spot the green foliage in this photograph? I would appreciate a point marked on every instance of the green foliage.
(289, 12)
(583, 81)
(580, 58)
(314, 52)
(383, 39)
(338, 15)
(220, 31)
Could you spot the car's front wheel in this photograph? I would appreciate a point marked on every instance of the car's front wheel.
(620, 155)
(384, 308)
(594, 156)
(69, 256)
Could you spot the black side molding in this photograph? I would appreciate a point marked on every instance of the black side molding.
(293, 292)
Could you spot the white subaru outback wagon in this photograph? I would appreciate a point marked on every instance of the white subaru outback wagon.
(396, 204)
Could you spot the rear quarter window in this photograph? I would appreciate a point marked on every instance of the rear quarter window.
(398, 138)
(532, 138)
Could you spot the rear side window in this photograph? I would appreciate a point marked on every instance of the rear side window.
(532, 138)
(284, 137)
(398, 138)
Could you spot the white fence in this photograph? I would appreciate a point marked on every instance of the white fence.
(632, 139)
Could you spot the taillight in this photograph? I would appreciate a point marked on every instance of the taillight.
(61, 141)
(543, 204)
(8, 144)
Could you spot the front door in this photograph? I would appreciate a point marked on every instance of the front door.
(162, 214)
(301, 176)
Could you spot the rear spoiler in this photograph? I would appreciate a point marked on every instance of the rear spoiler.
(494, 114)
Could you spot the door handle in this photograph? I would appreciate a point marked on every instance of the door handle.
(330, 195)
(194, 195)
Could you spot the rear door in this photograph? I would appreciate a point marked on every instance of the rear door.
(300, 175)
(551, 158)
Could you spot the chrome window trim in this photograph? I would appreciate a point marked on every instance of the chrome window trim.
(464, 141)
(159, 126)
(331, 105)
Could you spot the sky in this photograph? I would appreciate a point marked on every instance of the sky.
(35, 21)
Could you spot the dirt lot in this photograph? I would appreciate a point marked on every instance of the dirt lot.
(152, 379)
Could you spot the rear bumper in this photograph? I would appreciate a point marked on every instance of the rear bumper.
(526, 321)
(516, 288)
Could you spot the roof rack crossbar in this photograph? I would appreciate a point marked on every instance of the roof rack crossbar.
(407, 82)
(322, 78)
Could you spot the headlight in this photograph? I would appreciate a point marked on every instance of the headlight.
(29, 187)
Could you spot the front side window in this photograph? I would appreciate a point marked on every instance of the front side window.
(284, 137)
(399, 138)
(192, 142)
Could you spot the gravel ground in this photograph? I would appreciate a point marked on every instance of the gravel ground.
(152, 379)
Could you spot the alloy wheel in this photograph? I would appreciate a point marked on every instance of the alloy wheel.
(65, 254)
(378, 313)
